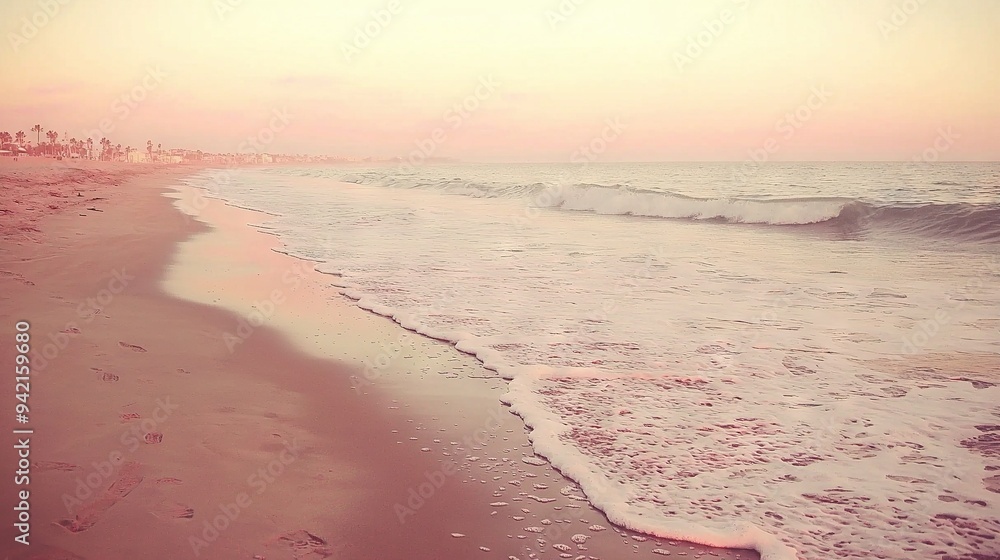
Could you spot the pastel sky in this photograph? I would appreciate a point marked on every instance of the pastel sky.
(687, 79)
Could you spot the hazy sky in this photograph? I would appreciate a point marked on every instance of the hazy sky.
(686, 79)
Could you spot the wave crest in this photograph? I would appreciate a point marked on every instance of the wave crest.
(603, 200)
(966, 221)
(978, 222)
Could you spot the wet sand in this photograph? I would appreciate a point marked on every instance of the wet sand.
(241, 422)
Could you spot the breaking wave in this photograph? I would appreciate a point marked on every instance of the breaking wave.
(964, 221)
(975, 222)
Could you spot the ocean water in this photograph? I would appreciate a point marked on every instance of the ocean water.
(797, 358)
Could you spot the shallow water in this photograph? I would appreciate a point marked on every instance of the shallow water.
(807, 349)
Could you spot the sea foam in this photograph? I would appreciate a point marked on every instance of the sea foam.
(713, 384)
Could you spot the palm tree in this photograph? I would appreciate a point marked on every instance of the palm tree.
(118, 152)
(37, 129)
(149, 149)
(4, 139)
(90, 148)
(52, 136)
(20, 137)
(159, 152)
(128, 150)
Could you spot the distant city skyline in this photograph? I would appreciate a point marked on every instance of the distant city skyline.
(566, 80)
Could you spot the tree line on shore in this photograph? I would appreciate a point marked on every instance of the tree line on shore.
(71, 147)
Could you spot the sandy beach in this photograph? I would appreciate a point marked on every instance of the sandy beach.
(522, 281)
(196, 394)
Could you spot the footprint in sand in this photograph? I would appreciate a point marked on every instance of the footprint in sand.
(304, 543)
(17, 277)
(173, 510)
(126, 416)
(70, 330)
(153, 437)
(128, 479)
(54, 466)
(92, 313)
(105, 375)
(169, 480)
(132, 347)
(977, 383)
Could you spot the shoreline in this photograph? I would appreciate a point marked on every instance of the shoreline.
(467, 389)
(350, 463)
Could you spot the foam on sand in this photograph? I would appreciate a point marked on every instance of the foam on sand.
(656, 453)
